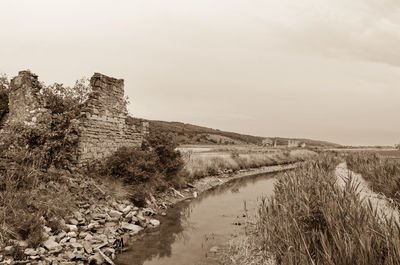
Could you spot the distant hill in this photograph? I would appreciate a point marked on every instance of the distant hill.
(184, 133)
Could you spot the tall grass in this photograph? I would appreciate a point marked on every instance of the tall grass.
(198, 166)
(383, 174)
(312, 221)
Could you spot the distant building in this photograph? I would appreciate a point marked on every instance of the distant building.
(267, 142)
(293, 143)
(296, 143)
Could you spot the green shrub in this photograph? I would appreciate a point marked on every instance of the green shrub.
(31, 159)
(152, 167)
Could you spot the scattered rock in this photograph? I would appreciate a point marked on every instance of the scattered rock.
(99, 216)
(120, 207)
(66, 263)
(131, 227)
(108, 251)
(8, 261)
(96, 259)
(88, 247)
(71, 234)
(93, 226)
(73, 221)
(60, 236)
(30, 252)
(50, 244)
(110, 224)
(88, 237)
(195, 194)
(155, 222)
(115, 214)
(72, 228)
(23, 244)
(82, 235)
(8, 250)
(69, 255)
(109, 261)
(127, 209)
(76, 245)
(65, 239)
(47, 229)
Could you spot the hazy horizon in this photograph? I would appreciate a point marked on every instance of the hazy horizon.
(318, 69)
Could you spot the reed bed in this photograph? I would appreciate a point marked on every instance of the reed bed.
(310, 220)
(201, 165)
(382, 173)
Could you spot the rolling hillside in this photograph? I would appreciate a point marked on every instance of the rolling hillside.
(184, 133)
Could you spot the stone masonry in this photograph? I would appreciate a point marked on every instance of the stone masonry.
(102, 124)
(24, 105)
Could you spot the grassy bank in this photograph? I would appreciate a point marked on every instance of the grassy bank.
(381, 172)
(312, 221)
(205, 164)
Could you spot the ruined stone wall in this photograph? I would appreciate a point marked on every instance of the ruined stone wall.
(23, 102)
(103, 127)
(102, 124)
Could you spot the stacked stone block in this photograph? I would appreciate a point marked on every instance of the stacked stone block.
(24, 104)
(103, 128)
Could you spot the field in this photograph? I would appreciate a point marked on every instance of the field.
(202, 161)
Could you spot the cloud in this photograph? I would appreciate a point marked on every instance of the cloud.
(358, 29)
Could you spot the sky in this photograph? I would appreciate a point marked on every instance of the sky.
(320, 69)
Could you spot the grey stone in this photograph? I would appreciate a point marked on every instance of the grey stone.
(72, 228)
(73, 221)
(30, 252)
(131, 227)
(115, 214)
(88, 247)
(127, 209)
(96, 259)
(51, 244)
(60, 236)
(8, 249)
(71, 234)
(154, 222)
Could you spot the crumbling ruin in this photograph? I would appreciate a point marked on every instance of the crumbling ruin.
(102, 123)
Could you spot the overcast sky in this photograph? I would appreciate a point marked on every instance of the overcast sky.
(321, 69)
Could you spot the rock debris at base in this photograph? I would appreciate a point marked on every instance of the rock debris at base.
(92, 235)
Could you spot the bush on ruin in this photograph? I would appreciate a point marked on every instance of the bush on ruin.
(153, 167)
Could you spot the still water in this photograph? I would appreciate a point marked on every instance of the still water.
(191, 228)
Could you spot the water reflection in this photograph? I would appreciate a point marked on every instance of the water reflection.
(191, 227)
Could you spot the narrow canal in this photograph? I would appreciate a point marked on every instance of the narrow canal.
(192, 228)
